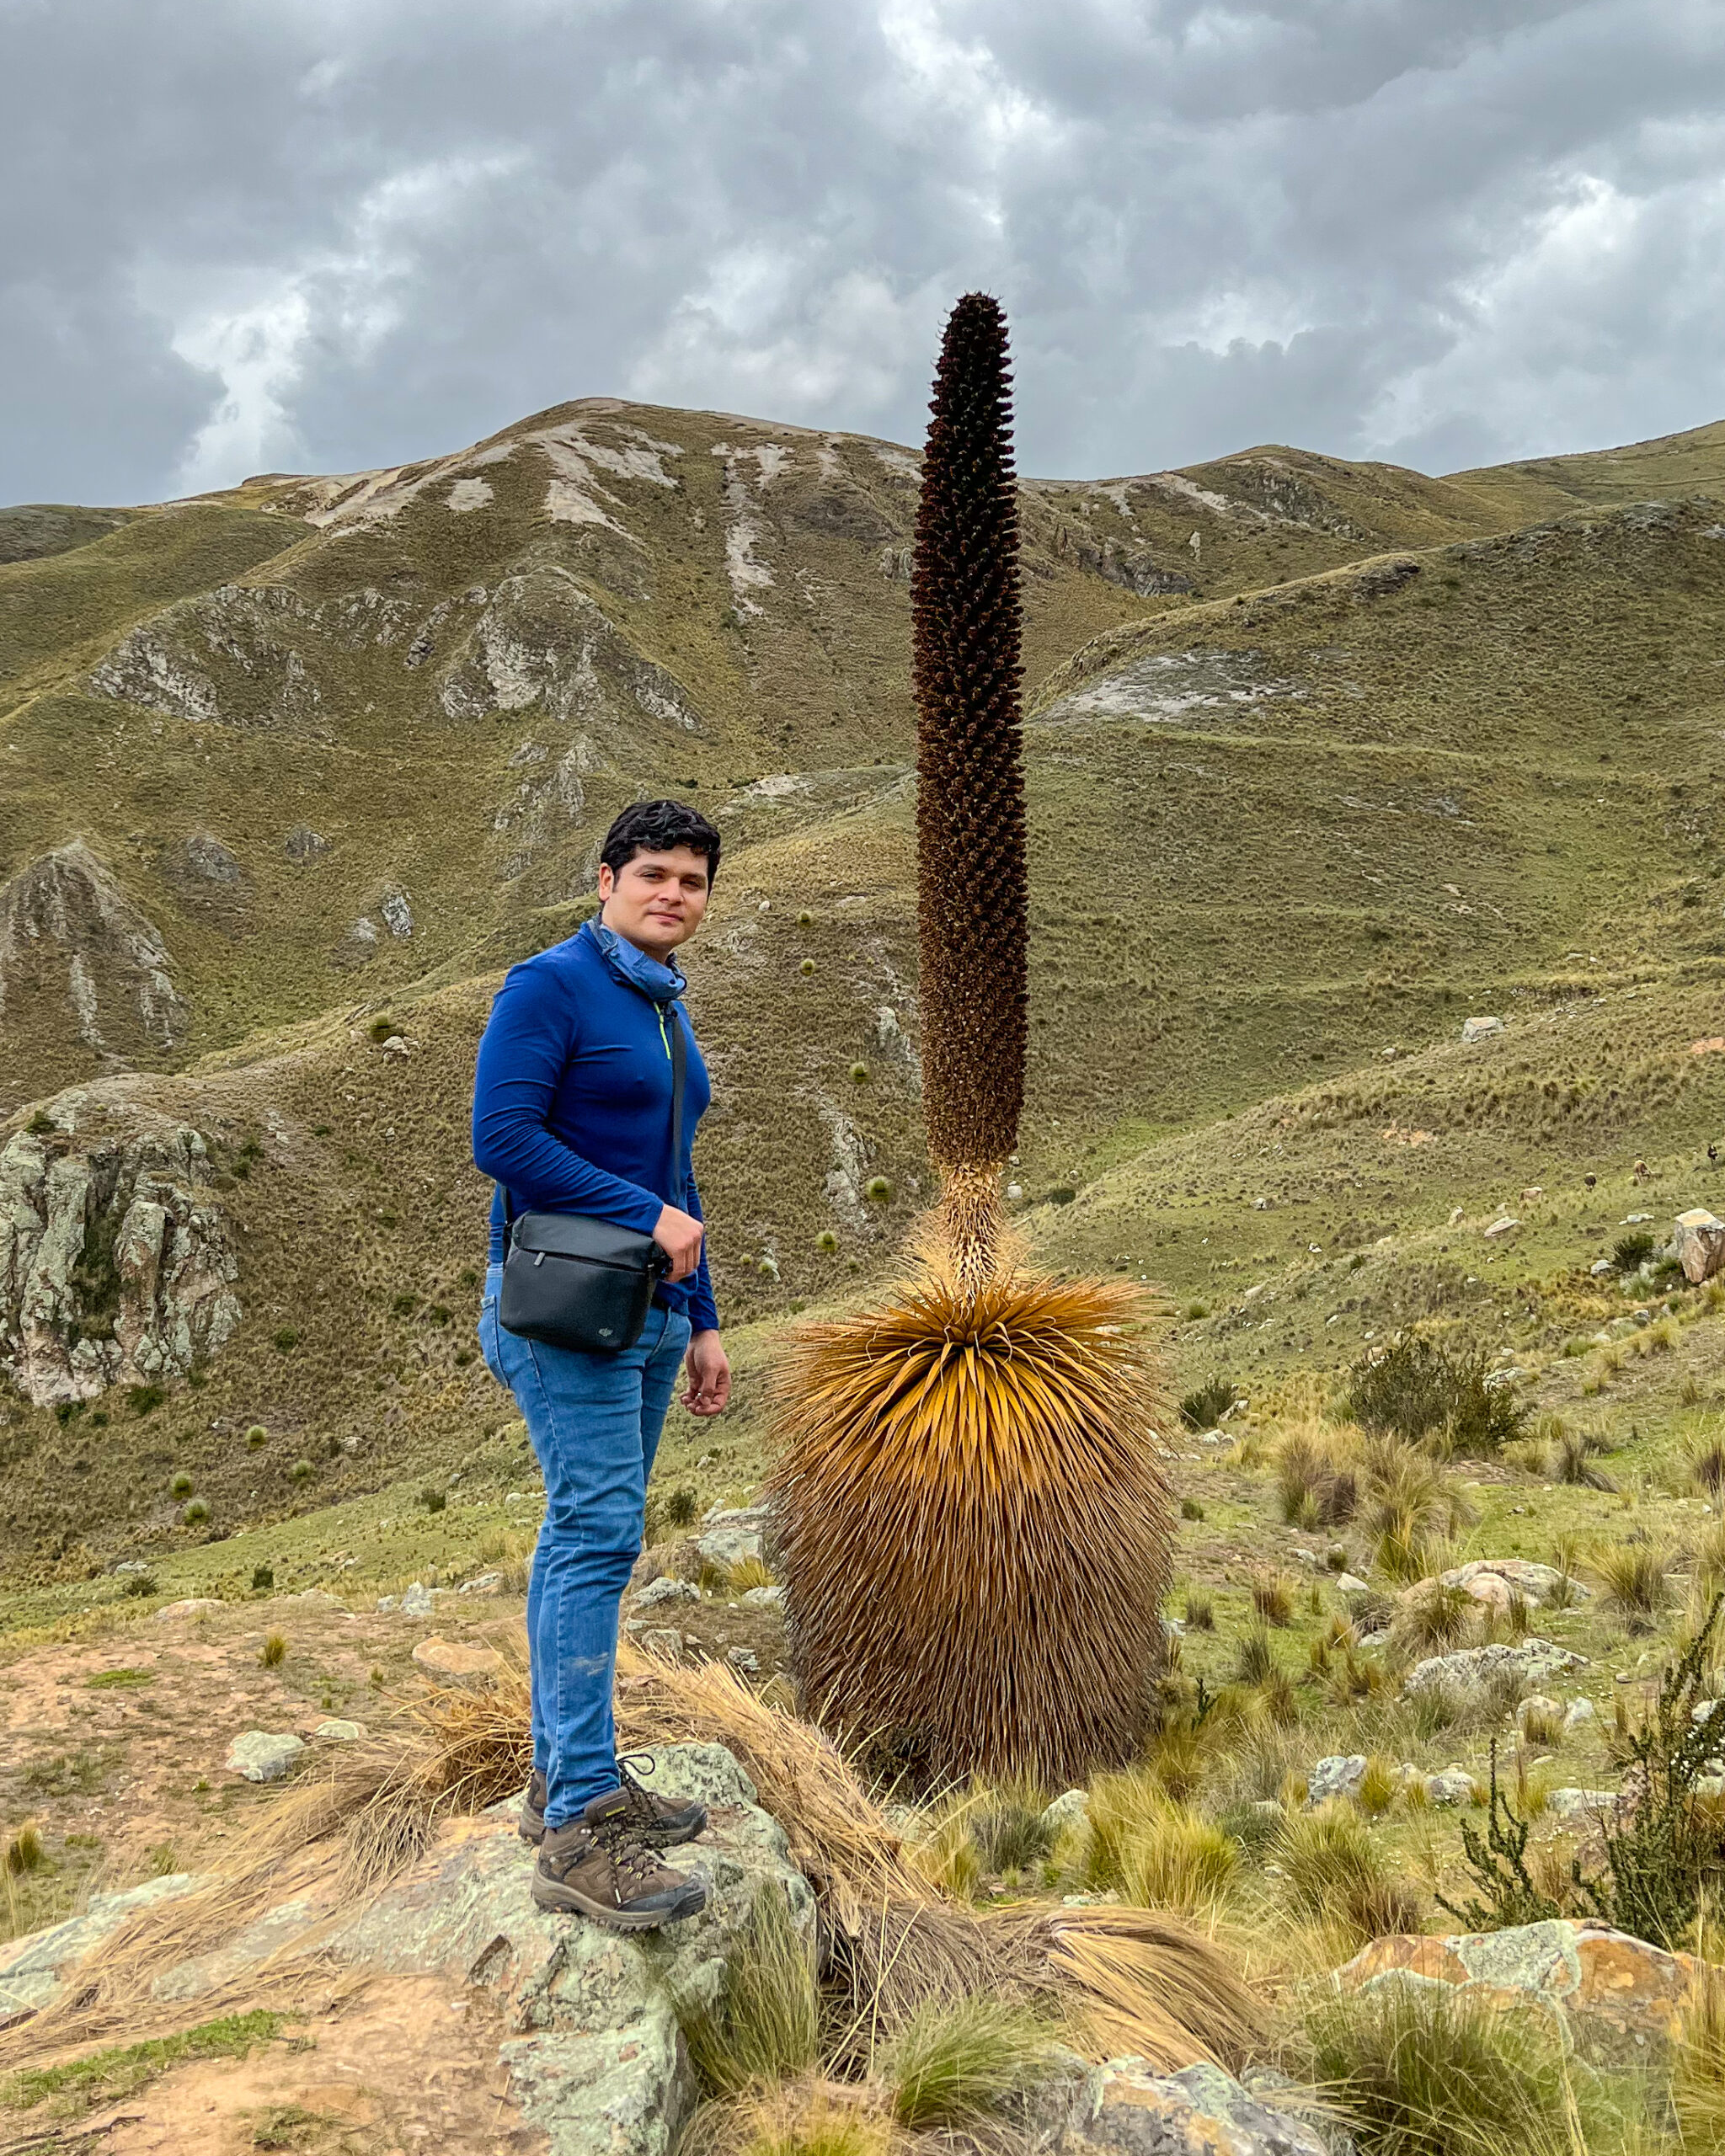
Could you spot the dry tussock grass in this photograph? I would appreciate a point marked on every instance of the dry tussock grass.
(1127, 1980)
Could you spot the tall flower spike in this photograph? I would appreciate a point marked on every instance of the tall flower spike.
(972, 884)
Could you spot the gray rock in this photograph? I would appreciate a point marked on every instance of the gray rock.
(743, 1659)
(1340, 1774)
(1480, 1029)
(1600, 1267)
(417, 1601)
(599, 2068)
(1579, 1803)
(198, 1605)
(660, 1592)
(764, 1598)
(336, 1731)
(302, 843)
(1351, 1583)
(1530, 1662)
(663, 1640)
(1578, 1713)
(265, 1935)
(1071, 1808)
(729, 1538)
(1699, 1246)
(1536, 1703)
(1128, 2110)
(32, 1969)
(484, 1584)
(1454, 1785)
(1535, 1583)
(261, 1756)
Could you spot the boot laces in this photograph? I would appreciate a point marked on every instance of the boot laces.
(641, 1806)
(631, 1860)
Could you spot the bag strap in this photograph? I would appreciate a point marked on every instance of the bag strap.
(679, 1062)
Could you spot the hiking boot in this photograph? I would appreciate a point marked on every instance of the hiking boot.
(532, 1827)
(662, 1822)
(597, 1865)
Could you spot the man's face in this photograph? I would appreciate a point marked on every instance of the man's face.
(657, 900)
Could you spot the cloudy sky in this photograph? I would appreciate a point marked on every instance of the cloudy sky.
(322, 235)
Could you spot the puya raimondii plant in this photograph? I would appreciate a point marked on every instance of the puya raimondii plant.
(974, 1525)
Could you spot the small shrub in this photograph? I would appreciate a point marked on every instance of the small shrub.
(1432, 1618)
(1433, 2072)
(24, 1852)
(382, 1027)
(1256, 1662)
(433, 1499)
(1378, 1786)
(1336, 1874)
(765, 2024)
(955, 2067)
(1316, 1482)
(1411, 1510)
(1541, 1721)
(262, 1578)
(1634, 1579)
(859, 1074)
(196, 1512)
(749, 1572)
(1273, 1598)
(807, 967)
(1706, 1464)
(827, 1242)
(302, 1471)
(257, 1438)
(145, 1399)
(1200, 1611)
(877, 1191)
(1630, 1252)
(1061, 1194)
(1190, 1509)
(681, 1508)
(439, 1313)
(1415, 1389)
(273, 1651)
(285, 1338)
(1571, 1459)
(182, 1486)
(140, 1584)
(1010, 1833)
(41, 1124)
(1204, 1407)
(404, 1304)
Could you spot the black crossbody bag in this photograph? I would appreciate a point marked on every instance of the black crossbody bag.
(571, 1281)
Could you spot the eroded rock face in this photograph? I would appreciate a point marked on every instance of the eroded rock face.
(68, 930)
(1619, 1997)
(1201, 2111)
(114, 1266)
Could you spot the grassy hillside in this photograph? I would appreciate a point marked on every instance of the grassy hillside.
(345, 747)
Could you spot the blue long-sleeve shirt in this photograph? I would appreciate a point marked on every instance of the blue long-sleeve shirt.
(572, 1101)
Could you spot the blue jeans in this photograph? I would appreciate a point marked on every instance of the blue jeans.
(595, 1421)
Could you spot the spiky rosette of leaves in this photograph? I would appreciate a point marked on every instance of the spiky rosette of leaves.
(974, 1525)
(972, 885)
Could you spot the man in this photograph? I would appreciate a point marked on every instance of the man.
(571, 1113)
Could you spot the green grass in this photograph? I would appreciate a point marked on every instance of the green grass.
(106, 2076)
(955, 2065)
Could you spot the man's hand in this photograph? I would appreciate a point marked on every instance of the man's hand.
(679, 1235)
(709, 1376)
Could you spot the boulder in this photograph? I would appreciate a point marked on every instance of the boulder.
(32, 1969)
(1126, 2110)
(1340, 1774)
(1529, 1661)
(1504, 1225)
(451, 1663)
(594, 2059)
(199, 1605)
(1071, 1808)
(1618, 1998)
(338, 1730)
(658, 1593)
(1580, 1803)
(764, 1598)
(663, 1641)
(417, 1601)
(1492, 1579)
(1578, 1714)
(1699, 1244)
(1474, 1030)
(731, 1538)
(262, 1756)
(1453, 1785)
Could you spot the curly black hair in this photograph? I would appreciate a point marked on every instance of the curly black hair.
(656, 827)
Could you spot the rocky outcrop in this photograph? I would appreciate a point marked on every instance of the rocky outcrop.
(1617, 1997)
(68, 932)
(33, 1970)
(115, 1268)
(1128, 2111)
(1475, 1668)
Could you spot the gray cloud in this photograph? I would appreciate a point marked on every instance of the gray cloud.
(345, 232)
